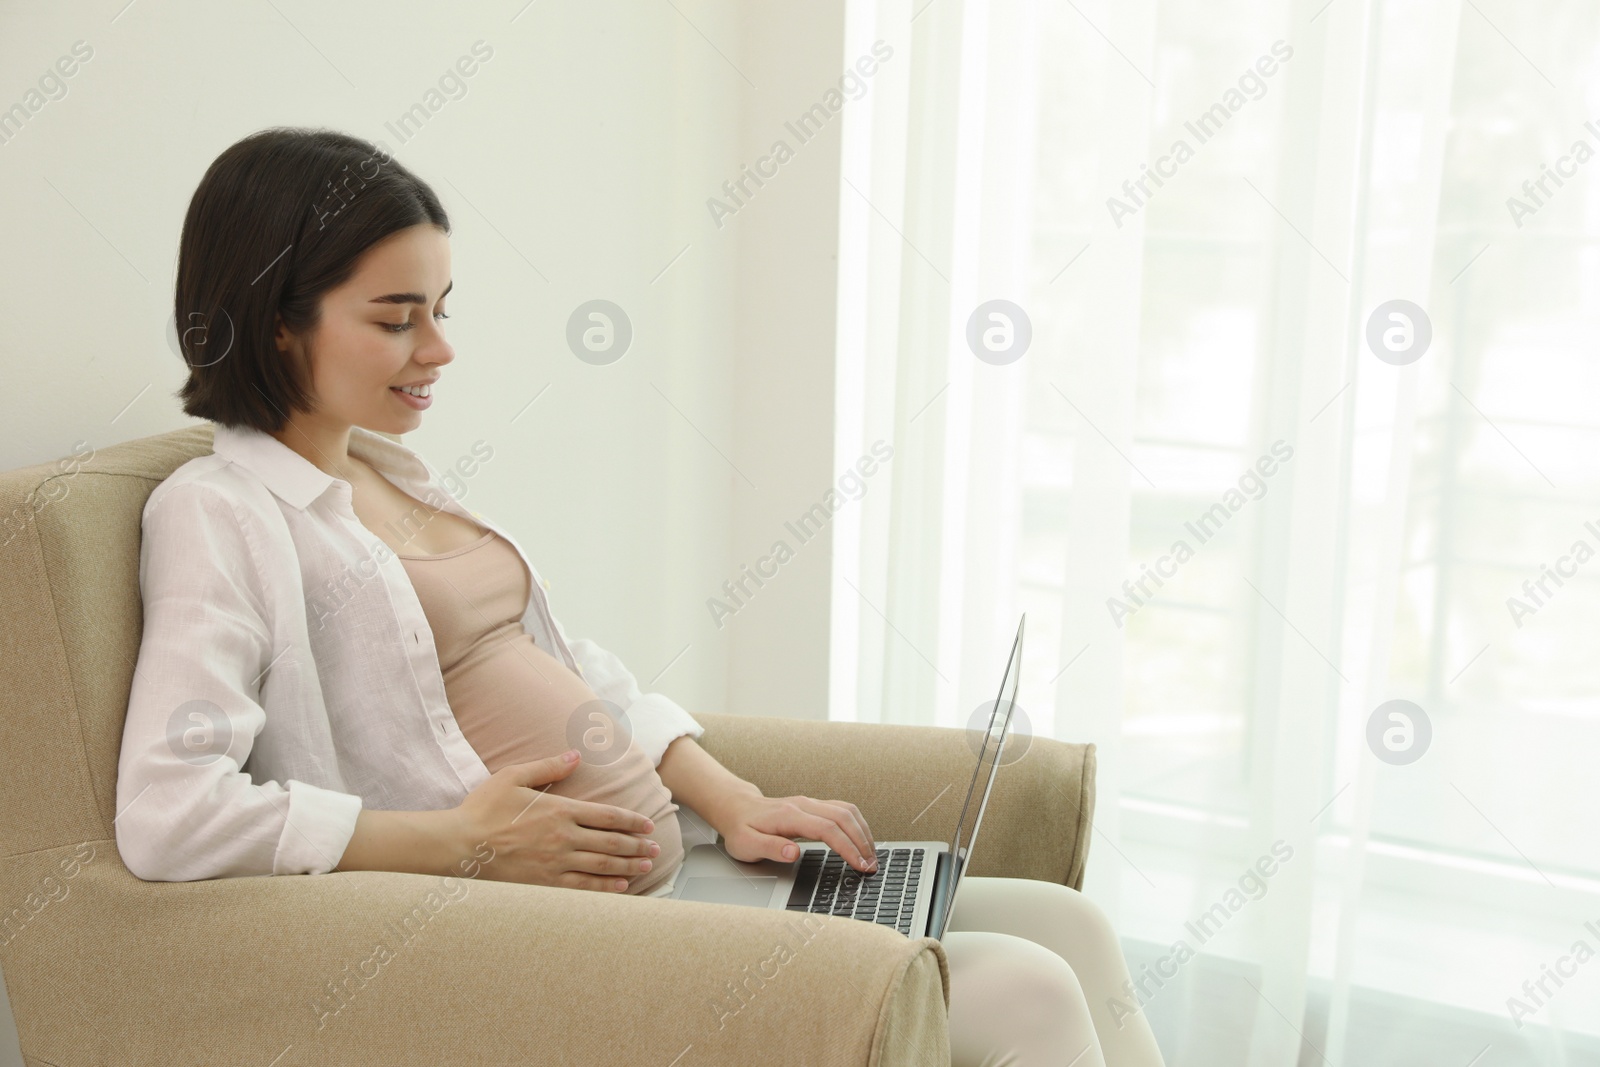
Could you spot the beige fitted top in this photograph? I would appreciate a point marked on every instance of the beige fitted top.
(513, 700)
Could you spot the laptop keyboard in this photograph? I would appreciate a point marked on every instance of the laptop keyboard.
(825, 886)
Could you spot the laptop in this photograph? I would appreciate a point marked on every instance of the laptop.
(914, 888)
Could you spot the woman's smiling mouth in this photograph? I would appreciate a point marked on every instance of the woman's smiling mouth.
(417, 396)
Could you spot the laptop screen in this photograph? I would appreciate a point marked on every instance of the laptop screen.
(990, 745)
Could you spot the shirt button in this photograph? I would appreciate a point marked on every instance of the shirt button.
(545, 582)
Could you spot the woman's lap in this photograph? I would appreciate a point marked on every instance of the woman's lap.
(1028, 961)
(1010, 937)
(1015, 1002)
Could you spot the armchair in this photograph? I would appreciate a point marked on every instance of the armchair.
(379, 968)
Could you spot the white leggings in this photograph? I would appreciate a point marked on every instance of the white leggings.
(1032, 967)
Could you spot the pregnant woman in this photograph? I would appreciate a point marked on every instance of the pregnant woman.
(319, 606)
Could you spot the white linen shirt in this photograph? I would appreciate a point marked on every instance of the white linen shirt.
(287, 675)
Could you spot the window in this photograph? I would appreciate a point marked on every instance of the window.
(1337, 160)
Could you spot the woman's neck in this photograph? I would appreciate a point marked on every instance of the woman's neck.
(323, 445)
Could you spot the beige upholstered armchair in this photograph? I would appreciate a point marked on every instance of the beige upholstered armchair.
(103, 968)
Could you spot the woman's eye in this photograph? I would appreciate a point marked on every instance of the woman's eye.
(402, 327)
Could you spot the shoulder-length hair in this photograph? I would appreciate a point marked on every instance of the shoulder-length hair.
(280, 217)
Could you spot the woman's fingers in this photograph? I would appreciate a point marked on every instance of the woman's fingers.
(605, 864)
(607, 817)
(841, 828)
(855, 825)
(861, 821)
(617, 846)
(575, 880)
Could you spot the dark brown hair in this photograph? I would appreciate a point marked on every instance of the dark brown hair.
(280, 217)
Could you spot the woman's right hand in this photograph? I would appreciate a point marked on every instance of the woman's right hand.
(542, 838)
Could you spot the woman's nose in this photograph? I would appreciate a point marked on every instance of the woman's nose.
(437, 351)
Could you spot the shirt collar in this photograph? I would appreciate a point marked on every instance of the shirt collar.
(296, 480)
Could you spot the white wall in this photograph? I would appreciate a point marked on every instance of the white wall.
(783, 373)
(584, 151)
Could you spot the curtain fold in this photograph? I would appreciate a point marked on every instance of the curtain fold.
(1240, 519)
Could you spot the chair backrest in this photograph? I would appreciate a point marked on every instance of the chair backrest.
(70, 624)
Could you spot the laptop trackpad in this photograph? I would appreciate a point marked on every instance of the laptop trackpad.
(734, 889)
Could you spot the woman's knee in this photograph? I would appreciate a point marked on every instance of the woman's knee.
(1024, 905)
(1085, 912)
(1016, 984)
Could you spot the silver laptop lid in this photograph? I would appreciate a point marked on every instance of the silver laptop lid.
(993, 746)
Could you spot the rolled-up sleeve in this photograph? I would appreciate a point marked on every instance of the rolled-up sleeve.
(186, 809)
(655, 719)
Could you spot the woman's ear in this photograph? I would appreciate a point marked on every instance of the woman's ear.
(296, 348)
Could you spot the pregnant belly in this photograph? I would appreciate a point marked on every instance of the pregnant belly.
(516, 703)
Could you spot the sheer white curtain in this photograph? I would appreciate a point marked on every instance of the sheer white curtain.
(1320, 500)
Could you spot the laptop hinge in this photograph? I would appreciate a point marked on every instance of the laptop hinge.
(943, 877)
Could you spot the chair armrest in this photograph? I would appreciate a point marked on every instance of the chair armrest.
(910, 783)
(379, 968)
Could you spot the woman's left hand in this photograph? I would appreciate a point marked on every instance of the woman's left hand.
(760, 828)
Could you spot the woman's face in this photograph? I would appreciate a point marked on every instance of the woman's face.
(381, 329)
